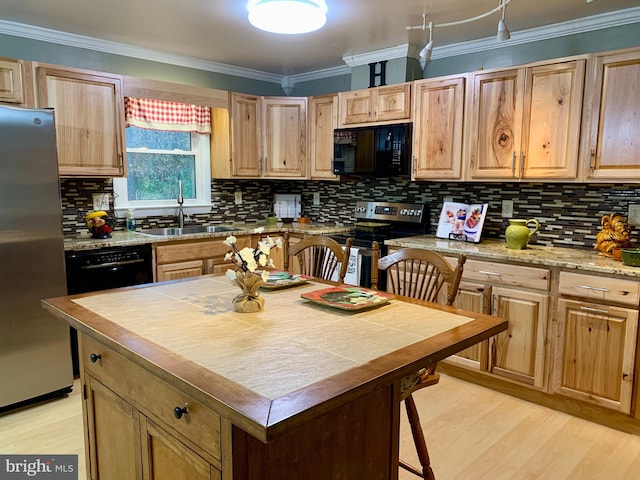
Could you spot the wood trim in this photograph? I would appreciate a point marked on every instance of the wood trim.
(175, 92)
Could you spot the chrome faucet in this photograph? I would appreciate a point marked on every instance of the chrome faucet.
(180, 205)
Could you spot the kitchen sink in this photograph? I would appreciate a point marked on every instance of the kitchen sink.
(175, 231)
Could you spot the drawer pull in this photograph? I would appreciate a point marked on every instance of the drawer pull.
(598, 289)
(94, 357)
(595, 310)
(178, 411)
(495, 274)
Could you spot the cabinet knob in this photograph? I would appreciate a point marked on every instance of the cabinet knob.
(94, 357)
(179, 411)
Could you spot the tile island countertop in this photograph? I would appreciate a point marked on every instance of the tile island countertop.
(298, 382)
(495, 249)
(121, 238)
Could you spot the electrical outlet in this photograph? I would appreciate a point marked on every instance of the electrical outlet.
(634, 215)
(100, 201)
(316, 198)
(238, 198)
(507, 208)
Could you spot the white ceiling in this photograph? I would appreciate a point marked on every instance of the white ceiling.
(218, 30)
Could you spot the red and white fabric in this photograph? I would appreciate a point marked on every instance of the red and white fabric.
(170, 116)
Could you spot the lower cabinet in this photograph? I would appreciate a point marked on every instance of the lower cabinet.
(596, 344)
(192, 258)
(520, 295)
(132, 430)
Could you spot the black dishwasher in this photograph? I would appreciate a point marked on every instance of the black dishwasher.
(103, 269)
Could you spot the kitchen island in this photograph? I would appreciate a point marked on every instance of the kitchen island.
(177, 385)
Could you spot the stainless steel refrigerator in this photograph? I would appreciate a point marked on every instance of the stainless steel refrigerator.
(35, 358)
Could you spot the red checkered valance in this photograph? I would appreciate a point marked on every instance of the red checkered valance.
(170, 116)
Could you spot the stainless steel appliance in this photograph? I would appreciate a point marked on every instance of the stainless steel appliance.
(103, 269)
(380, 150)
(379, 221)
(35, 355)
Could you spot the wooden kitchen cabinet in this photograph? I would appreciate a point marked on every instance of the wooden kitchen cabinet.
(192, 258)
(525, 122)
(388, 104)
(520, 295)
(133, 432)
(89, 110)
(596, 340)
(16, 83)
(612, 150)
(268, 136)
(323, 120)
(438, 117)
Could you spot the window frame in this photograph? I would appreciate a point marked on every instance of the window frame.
(200, 143)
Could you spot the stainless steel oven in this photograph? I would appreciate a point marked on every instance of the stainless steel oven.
(380, 221)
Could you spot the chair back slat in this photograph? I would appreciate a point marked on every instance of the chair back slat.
(318, 256)
(418, 273)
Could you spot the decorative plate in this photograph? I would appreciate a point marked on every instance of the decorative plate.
(278, 279)
(349, 298)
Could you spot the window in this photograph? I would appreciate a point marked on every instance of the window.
(157, 160)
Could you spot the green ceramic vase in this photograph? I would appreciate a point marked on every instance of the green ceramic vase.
(519, 232)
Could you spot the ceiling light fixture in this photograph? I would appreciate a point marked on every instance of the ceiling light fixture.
(425, 53)
(287, 16)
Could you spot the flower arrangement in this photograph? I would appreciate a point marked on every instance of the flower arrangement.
(245, 274)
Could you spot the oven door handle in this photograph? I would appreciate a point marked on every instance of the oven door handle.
(112, 264)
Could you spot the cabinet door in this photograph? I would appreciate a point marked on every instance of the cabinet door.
(475, 298)
(11, 90)
(89, 109)
(393, 102)
(494, 139)
(166, 458)
(597, 347)
(552, 119)
(175, 271)
(614, 126)
(285, 135)
(356, 107)
(112, 446)
(246, 136)
(518, 353)
(323, 119)
(437, 128)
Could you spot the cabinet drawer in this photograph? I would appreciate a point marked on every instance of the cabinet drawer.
(503, 274)
(152, 396)
(190, 250)
(601, 289)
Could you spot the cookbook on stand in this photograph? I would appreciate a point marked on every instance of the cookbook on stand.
(461, 221)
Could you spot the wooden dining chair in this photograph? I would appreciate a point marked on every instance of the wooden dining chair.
(420, 274)
(317, 256)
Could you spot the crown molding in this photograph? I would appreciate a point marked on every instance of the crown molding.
(572, 27)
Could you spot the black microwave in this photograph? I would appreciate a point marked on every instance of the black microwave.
(382, 150)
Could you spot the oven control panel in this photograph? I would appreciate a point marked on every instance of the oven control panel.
(391, 211)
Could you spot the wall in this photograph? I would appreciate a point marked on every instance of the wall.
(569, 214)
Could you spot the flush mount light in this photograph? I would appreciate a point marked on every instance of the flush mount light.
(287, 16)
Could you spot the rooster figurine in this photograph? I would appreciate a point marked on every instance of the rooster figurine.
(615, 233)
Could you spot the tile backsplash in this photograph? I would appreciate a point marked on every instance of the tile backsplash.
(569, 214)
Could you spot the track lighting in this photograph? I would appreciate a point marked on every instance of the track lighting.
(503, 31)
(287, 16)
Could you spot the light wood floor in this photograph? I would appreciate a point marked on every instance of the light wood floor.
(473, 433)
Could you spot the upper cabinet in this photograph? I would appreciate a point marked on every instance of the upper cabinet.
(612, 150)
(388, 104)
(268, 136)
(524, 123)
(323, 119)
(89, 116)
(438, 115)
(16, 82)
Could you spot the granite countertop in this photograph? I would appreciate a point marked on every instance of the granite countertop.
(125, 238)
(494, 249)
